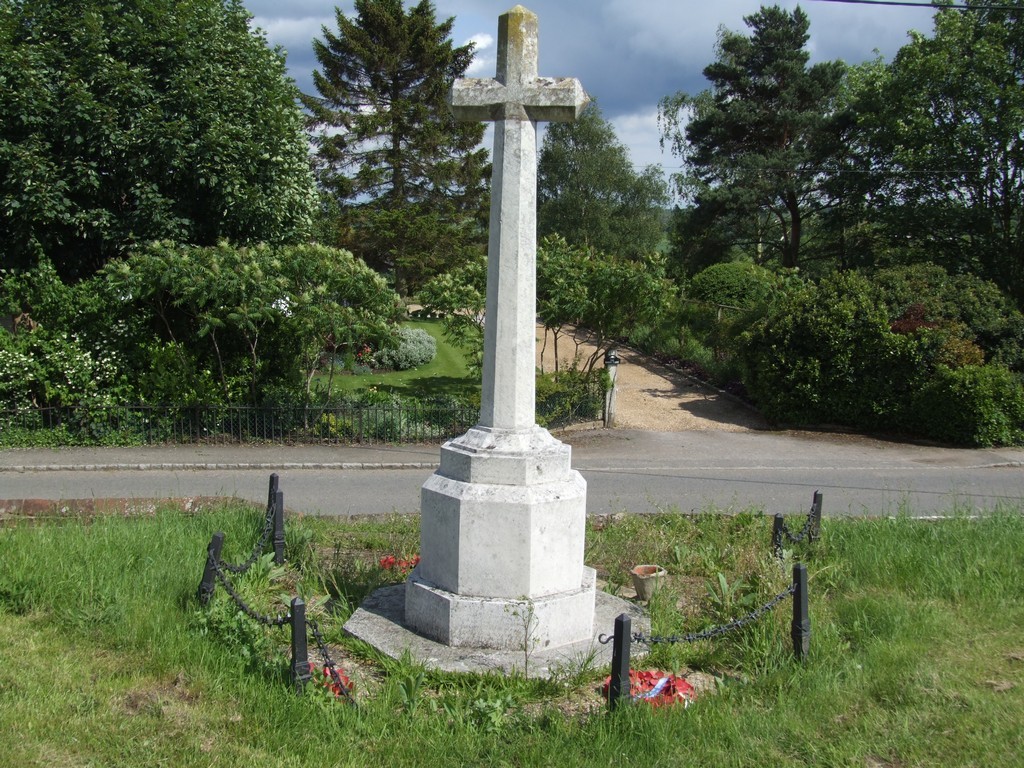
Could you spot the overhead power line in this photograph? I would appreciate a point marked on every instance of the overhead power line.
(931, 6)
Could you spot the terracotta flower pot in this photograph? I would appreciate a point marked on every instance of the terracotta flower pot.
(647, 579)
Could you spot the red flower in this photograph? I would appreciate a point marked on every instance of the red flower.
(334, 683)
(391, 563)
(657, 688)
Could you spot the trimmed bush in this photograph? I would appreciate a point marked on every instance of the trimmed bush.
(415, 347)
(734, 283)
(979, 405)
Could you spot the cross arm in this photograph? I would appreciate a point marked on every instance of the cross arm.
(553, 99)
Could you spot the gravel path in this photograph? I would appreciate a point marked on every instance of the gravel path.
(654, 397)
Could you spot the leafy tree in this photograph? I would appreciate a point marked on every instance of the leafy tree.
(607, 295)
(257, 318)
(125, 122)
(403, 181)
(941, 134)
(588, 192)
(459, 297)
(753, 144)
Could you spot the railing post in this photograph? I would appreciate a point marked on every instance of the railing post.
(300, 651)
(618, 686)
(279, 527)
(275, 483)
(815, 531)
(801, 617)
(778, 526)
(208, 584)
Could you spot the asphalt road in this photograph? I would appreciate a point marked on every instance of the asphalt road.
(626, 471)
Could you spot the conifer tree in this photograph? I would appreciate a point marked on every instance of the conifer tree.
(404, 184)
(755, 142)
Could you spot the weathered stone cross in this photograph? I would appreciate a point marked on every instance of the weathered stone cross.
(515, 100)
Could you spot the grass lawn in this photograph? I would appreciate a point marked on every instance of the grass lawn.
(446, 374)
(917, 653)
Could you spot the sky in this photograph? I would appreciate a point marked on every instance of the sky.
(628, 54)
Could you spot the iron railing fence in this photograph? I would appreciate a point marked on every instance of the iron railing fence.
(352, 423)
(225, 424)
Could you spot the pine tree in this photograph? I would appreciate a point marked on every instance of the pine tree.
(404, 183)
(754, 142)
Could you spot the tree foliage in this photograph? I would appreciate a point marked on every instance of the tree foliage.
(605, 295)
(124, 122)
(404, 183)
(754, 142)
(940, 138)
(588, 192)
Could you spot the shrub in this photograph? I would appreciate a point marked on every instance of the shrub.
(927, 295)
(415, 347)
(570, 396)
(826, 355)
(979, 405)
(734, 283)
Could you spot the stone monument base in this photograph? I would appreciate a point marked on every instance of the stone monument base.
(380, 621)
(466, 621)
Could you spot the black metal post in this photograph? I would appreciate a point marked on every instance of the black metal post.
(272, 492)
(801, 615)
(618, 686)
(279, 527)
(208, 584)
(815, 531)
(778, 526)
(300, 651)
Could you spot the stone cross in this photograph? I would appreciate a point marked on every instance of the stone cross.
(515, 100)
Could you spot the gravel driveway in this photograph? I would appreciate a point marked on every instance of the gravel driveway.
(651, 396)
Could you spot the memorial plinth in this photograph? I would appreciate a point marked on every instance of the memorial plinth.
(503, 518)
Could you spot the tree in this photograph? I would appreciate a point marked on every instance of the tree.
(753, 144)
(941, 131)
(256, 319)
(588, 192)
(405, 181)
(125, 122)
(608, 295)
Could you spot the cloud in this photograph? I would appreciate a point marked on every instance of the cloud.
(627, 53)
(484, 60)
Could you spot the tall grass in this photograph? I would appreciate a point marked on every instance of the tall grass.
(916, 655)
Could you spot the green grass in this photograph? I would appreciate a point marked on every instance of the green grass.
(447, 374)
(917, 655)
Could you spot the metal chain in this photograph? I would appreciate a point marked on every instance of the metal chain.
(707, 634)
(268, 527)
(329, 664)
(798, 537)
(270, 621)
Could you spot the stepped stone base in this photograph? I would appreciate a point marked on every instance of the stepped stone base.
(502, 534)
(380, 621)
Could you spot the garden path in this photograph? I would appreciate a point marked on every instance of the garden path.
(655, 397)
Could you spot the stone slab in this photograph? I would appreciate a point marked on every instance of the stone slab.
(380, 622)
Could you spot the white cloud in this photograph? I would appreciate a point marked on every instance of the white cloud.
(484, 60)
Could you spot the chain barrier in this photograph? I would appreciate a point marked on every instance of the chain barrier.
(329, 664)
(266, 620)
(707, 634)
(798, 537)
(268, 527)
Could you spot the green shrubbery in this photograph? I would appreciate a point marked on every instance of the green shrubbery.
(890, 353)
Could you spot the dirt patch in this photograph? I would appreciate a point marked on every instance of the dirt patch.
(652, 396)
